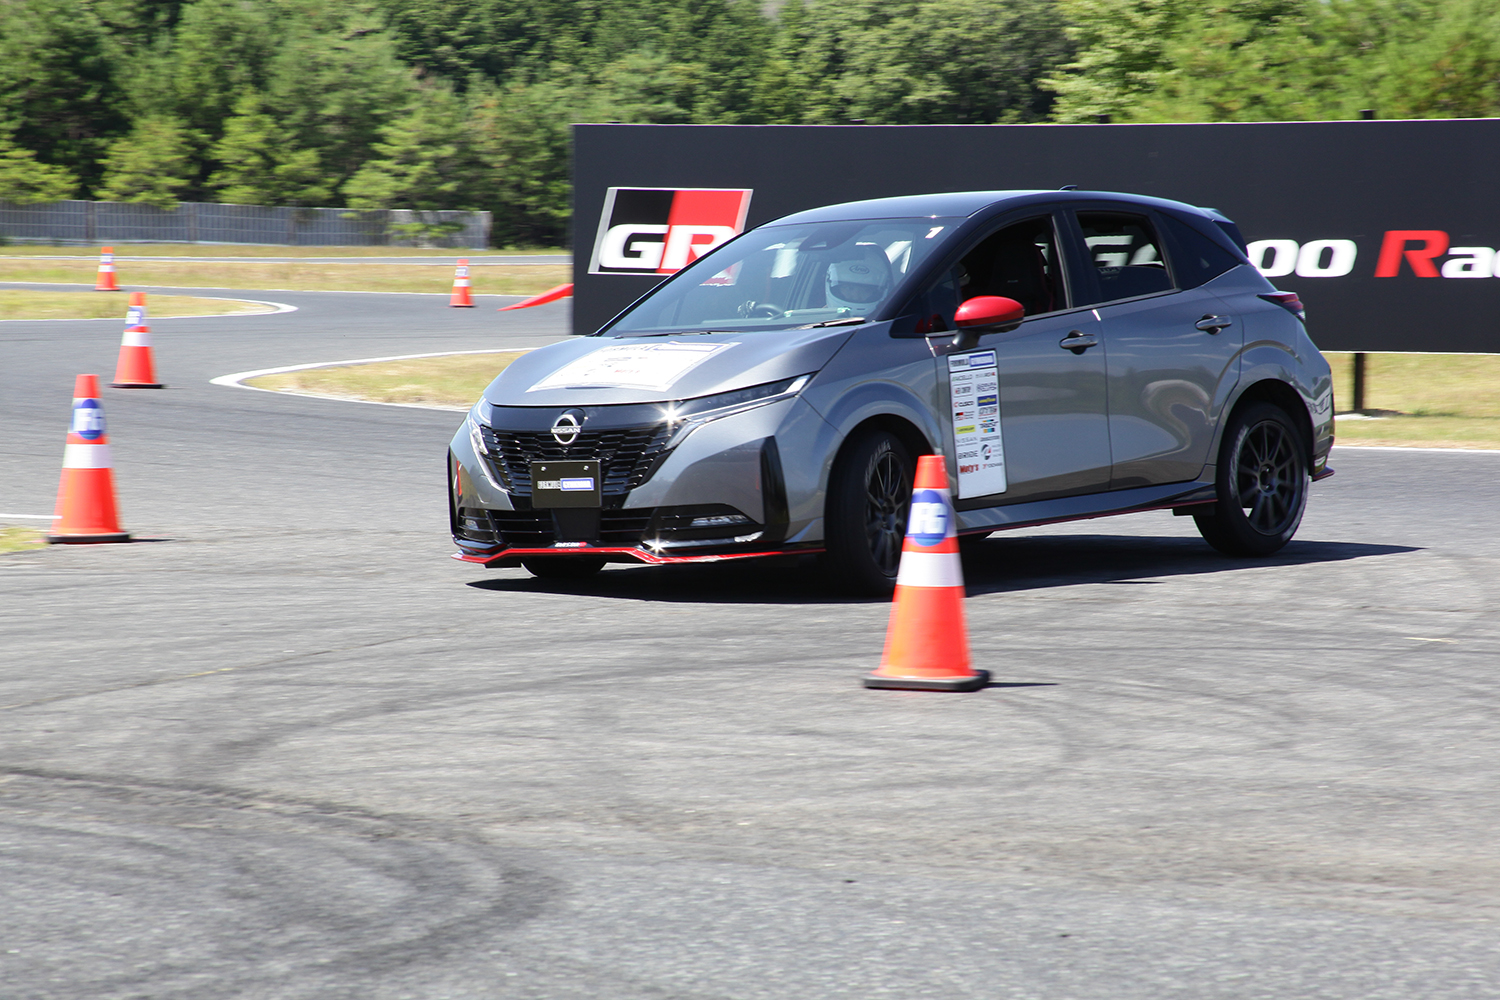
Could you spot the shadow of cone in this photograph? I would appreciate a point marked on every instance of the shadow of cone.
(927, 645)
(86, 510)
(461, 297)
(136, 369)
(106, 279)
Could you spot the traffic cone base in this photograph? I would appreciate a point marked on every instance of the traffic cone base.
(927, 644)
(977, 680)
(86, 509)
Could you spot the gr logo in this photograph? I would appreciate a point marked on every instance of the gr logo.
(662, 230)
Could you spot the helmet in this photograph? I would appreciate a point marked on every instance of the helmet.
(860, 282)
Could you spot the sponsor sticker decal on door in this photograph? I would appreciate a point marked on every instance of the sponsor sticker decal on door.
(663, 230)
(974, 393)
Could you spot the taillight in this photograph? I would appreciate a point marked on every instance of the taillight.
(1287, 301)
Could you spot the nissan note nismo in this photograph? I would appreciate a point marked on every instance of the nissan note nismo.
(1071, 354)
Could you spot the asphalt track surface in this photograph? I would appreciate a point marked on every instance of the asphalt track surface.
(284, 747)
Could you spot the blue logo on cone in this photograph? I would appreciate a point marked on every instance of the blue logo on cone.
(930, 518)
(88, 419)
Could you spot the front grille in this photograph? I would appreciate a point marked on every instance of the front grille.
(533, 529)
(627, 455)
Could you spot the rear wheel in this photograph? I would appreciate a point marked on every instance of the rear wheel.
(869, 494)
(1261, 484)
(563, 567)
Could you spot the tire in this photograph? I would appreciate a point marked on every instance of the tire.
(1261, 483)
(563, 567)
(869, 494)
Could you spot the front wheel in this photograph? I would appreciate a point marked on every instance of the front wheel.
(1261, 484)
(869, 494)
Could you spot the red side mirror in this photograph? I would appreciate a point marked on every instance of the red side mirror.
(989, 310)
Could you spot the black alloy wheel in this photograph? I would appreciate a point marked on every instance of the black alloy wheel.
(869, 496)
(1261, 484)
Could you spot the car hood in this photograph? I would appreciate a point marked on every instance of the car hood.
(600, 371)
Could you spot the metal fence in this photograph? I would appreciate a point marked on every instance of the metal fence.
(210, 222)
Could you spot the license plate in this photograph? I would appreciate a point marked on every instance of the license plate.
(566, 484)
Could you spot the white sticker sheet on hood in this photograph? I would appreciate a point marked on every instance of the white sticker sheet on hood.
(653, 367)
(974, 388)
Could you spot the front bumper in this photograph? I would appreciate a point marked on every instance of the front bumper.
(720, 492)
(654, 536)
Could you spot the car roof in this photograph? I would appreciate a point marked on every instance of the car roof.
(968, 203)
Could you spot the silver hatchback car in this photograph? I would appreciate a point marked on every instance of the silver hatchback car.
(1070, 353)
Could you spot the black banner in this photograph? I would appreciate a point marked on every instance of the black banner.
(1386, 229)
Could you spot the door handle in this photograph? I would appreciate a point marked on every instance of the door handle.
(1213, 324)
(1077, 341)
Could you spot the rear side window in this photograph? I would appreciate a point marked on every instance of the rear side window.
(1126, 254)
(1196, 256)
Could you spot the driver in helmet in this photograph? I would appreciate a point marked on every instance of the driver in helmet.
(856, 285)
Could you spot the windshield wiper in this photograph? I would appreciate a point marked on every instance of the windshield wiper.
(848, 321)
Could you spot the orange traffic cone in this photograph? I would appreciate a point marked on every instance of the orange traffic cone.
(927, 646)
(86, 510)
(461, 299)
(135, 369)
(106, 280)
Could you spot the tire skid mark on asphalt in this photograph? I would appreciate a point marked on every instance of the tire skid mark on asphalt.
(460, 887)
(177, 678)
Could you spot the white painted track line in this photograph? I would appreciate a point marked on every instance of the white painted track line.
(237, 379)
(276, 309)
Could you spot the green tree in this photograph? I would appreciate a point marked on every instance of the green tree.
(153, 164)
(913, 61)
(1280, 60)
(1224, 67)
(57, 92)
(1449, 68)
(334, 84)
(1119, 49)
(219, 52)
(523, 135)
(424, 159)
(260, 163)
(25, 181)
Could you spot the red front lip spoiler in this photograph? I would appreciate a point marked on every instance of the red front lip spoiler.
(620, 553)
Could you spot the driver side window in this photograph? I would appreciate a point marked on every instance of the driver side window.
(1019, 262)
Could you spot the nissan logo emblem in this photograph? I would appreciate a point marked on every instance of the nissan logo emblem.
(565, 429)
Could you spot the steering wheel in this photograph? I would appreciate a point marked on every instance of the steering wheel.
(761, 310)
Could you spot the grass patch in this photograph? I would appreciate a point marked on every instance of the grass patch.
(22, 303)
(237, 250)
(1421, 400)
(455, 380)
(21, 539)
(517, 279)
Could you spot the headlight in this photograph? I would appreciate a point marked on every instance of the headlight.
(689, 414)
(476, 436)
(739, 398)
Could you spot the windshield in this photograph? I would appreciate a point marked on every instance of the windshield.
(784, 276)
